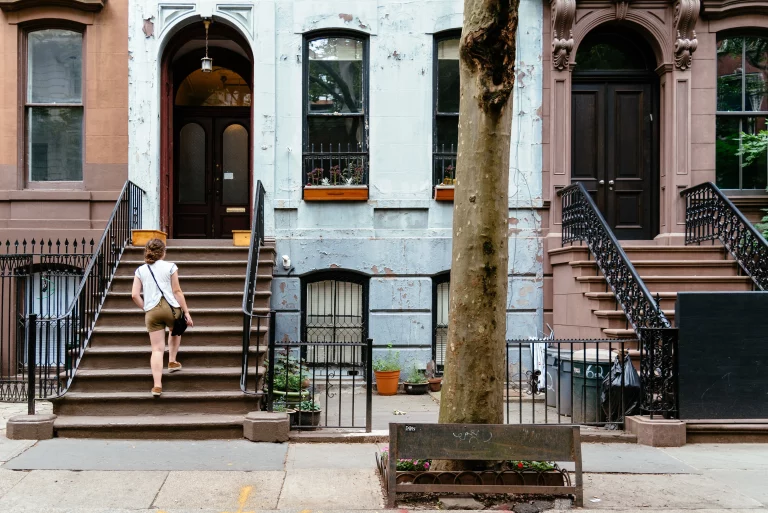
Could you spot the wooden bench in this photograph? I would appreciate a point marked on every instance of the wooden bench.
(488, 442)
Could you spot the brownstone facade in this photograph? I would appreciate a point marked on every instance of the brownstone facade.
(32, 208)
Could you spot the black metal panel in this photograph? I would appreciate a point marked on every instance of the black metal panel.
(723, 355)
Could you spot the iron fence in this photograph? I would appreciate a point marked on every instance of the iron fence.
(319, 390)
(444, 164)
(659, 371)
(335, 165)
(587, 382)
(51, 295)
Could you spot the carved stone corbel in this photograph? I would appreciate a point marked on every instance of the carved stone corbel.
(686, 15)
(622, 8)
(563, 15)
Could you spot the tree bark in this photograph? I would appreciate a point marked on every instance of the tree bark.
(474, 364)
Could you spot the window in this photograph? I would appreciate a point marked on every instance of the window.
(446, 98)
(336, 111)
(54, 105)
(335, 310)
(441, 286)
(742, 107)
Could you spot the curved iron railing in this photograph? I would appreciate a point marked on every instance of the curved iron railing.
(710, 215)
(249, 292)
(72, 331)
(582, 221)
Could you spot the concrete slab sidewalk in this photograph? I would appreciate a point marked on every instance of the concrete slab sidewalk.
(222, 491)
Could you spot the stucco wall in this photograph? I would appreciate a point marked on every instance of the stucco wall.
(400, 237)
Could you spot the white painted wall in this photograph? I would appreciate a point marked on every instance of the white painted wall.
(400, 233)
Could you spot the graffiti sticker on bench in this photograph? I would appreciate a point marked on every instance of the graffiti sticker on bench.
(492, 442)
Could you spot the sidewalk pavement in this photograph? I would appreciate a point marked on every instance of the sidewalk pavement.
(237, 476)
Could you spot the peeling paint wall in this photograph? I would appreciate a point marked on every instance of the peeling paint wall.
(400, 237)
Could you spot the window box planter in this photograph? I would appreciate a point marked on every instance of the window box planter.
(335, 193)
(141, 237)
(444, 193)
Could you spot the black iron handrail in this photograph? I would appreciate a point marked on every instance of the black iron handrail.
(75, 327)
(710, 215)
(249, 292)
(583, 221)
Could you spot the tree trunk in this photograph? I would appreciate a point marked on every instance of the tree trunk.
(473, 385)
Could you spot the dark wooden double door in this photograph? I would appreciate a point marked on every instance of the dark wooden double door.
(212, 178)
(614, 152)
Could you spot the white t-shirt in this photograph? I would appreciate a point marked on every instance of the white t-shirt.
(163, 271)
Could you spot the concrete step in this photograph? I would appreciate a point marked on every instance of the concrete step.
(677, 283)
(653, 252)
(174, 253)
(214, 317)
(144, 403)
(190, 379)
(618, 319)
(232, 299)
(668, 267)
(107, 336)
(163, 427)
(133, 357)
(193, 267)
(213, 283)
(618, 333)
(607, 301)
(727, 431)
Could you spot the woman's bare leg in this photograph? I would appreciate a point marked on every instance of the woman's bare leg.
(173, 347)
(157, 339)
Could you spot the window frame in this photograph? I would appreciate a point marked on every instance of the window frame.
(438, 279)
(338, 276)
(740, 115)
(436, 155)
(307, 152)
(23, 142)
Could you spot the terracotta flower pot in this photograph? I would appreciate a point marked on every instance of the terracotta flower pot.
(387, 381)
(415, 388)
(435, 384)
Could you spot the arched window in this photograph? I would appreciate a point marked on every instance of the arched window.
(335, 310)
(335, 110)
(742, 107)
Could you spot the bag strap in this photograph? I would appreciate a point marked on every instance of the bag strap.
(158, 285)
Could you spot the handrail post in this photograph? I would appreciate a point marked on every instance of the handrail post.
(31, 362)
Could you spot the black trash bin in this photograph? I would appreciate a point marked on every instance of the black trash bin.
(559, 369)
(590, 367)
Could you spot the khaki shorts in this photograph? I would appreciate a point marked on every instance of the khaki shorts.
(161, 316)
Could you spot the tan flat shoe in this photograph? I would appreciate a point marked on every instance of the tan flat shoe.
(174, 366)
(156, 391)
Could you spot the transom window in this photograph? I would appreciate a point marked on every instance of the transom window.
(54, 105)
(336, 111)
(742, 107)
(446, 108)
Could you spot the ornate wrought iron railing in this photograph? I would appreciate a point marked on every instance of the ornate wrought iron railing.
(710, 215)
(444, 164)
(658, 371)
(250, 377)
(582, 221)
(335, 165)
(68, 334)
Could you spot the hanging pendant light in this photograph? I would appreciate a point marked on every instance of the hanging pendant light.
(207, 61)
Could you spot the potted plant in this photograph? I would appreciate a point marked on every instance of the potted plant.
(309, 414)
(387, 371)
(415, 383)
(280, 406)
(435, 382)
(291, 380)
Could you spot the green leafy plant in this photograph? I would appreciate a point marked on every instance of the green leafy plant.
(389, 362)
(415, 375)
(754, 147)
(309, 406)
(290, 372)
(538, 466)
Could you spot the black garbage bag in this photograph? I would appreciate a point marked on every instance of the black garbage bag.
(611, 396)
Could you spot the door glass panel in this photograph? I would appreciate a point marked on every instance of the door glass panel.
(235, 168)
(192, 159)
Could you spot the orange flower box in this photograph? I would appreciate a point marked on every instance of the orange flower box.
(444, 193)
(140, 238)
(335, 193)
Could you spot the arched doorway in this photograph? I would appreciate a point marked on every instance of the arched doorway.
(206, 150)
(614, 134)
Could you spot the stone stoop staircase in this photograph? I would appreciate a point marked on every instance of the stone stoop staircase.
(666, 270)
(110, 395)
